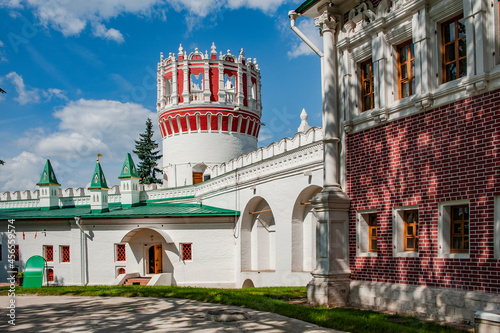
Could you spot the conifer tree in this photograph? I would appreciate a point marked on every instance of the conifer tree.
(148, 156)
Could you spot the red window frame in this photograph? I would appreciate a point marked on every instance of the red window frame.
(187, 251)
(65, 253)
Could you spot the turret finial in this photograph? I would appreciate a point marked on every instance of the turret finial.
(304, 126)
(213, 48)
(181, 49)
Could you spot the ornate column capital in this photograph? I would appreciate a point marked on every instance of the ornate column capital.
(326, 22)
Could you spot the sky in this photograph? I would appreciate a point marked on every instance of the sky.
(80, 76)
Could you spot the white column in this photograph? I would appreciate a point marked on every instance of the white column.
(327, 26)
(240, 95)
(185, 91)
(330, 283)
(421, 40)
(174, 92)
(222, 93)
(206, 81)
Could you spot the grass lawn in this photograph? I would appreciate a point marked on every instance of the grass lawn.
(275, 300)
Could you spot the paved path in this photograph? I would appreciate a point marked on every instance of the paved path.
(136, 314)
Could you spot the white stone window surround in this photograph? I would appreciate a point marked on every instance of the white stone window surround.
(444, 229)
(362, 233)
(426, 29)
(398, 233)
(496, 236)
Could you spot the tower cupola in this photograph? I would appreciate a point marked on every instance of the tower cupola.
(49, 188)
(129, 183)
(98, 191)
(209, 110)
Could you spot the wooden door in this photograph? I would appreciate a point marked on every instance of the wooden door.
(158, 262)
(197, 177)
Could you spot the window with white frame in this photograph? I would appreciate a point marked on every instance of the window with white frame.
(454, 49)
(453, 229)
(405, 228)
(366, 233)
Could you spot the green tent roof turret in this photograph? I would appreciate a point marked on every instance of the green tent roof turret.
(128, 169)
(98, 181)
(48, 177)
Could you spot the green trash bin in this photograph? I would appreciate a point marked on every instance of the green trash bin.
(33, 272)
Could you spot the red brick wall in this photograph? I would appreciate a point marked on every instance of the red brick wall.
(449, 153)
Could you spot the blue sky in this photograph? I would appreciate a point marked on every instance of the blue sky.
(80, 76)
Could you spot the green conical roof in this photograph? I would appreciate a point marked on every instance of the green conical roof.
(48, 177)
(98, 180)
(128, 169)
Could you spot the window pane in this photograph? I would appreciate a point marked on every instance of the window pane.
(449, 32)
(409, 230)
(457, 213)
(457, 243)
(462, 48)
(410, 218)
(405, 90)
(461, 27)
(404, 72)
(374, 244)
(412, 73)
(416, 243)
(366, 71)
(412, 51)
(466, 228)
(466, 213)
(368, 102)
(466, 243)
(410, 243)
(367, 87)
(412, 88)
(374, 232)
(403, 54)
(463, 67)
(449, 52)
(457, 228)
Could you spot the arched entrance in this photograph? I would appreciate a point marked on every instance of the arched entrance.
(150, 247)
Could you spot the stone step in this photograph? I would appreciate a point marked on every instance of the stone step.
(143, 281)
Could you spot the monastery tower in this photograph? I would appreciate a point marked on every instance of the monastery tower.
(209, 110)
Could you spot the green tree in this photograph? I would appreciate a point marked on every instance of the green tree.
(2, 162)
(148, 156)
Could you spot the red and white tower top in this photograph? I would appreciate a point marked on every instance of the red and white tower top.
(209, 108)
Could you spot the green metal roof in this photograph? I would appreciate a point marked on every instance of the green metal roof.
(98, 180)
(128, 169)
(116, 211)
(305, 6)
(48, 177)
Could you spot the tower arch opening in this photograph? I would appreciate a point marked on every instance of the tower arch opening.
(304, 231)
(258, 237)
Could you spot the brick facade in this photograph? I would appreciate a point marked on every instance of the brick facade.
(444, 154)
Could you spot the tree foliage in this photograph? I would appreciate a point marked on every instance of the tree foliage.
(148, 156)
(2, 162)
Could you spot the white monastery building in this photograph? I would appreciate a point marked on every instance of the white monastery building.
(393, 204)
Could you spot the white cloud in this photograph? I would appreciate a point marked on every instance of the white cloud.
(300, 48)
(3, 58)
(28, 95)
(112, 34)
(91, 126)
(264, 135)
(21, 172)
(25, 95)
(86, 127)
(72, 17)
